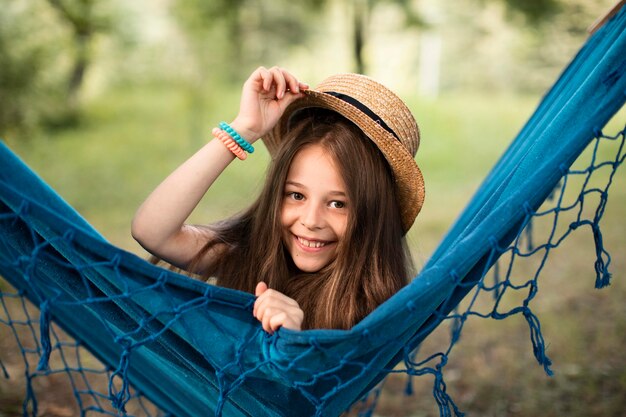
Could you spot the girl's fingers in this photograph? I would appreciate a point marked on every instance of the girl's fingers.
(274, 309)
(282, 80)
(288, 99)
(258, 78)
(266, 76)
(291, 81)
(294, 85)
(264, 309)
(272, 322)
(279, 80)
(261, 306)
(278, 320)
(261, 287)
(265, 322)
(293, 321)
(273, 296)
(272, 319)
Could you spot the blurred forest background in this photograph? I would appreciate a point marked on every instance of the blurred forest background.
(104, 98)
(58, 56)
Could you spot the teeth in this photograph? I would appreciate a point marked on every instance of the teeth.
(311, 244)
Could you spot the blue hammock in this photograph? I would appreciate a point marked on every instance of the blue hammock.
(195, 349)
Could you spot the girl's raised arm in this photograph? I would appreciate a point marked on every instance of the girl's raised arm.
(159, 224)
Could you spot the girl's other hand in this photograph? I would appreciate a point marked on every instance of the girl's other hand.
(274, 309)
(265, 96)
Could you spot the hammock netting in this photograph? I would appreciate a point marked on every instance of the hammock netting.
(131, 338)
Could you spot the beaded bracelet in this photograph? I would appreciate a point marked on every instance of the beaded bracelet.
(237, 137)
(230, 144)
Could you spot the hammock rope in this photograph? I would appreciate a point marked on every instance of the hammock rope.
(168, 345)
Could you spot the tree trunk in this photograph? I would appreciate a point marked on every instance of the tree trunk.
(360, 21)
(79, 69)
(81, 21)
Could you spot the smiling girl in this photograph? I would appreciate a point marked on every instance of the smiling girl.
(323, 245)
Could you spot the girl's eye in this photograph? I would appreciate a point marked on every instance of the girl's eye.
(337, 204)
(295, 195)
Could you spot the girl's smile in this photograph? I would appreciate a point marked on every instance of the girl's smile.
(310, 244)
(314, 213)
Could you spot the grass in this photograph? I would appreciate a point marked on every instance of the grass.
(131, 138)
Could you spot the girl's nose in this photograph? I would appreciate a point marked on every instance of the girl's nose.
(311, 217)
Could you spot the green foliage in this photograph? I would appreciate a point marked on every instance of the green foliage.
(412, 16)
(234, 36)
(17, 71)
(29, 45)
(45, 56)
(84, 16)
(85, 20)
(50, 49)
(488, 46)
(534, 10)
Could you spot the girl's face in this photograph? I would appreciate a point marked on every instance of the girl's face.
(314, 211)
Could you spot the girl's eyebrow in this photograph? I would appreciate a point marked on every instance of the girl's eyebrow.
(299, 185)
(291, 182)
(294, 183)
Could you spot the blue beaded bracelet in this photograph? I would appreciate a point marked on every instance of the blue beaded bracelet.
(237, 137)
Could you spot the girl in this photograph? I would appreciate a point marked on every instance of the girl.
(323, 245)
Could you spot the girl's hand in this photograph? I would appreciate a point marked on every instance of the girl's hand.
(274, 309)
(265, 96)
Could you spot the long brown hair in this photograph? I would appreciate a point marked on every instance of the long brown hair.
(372, 260)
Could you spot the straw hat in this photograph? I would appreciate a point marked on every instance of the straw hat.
(383, 117)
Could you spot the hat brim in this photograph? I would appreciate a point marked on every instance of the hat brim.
(408, 179)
